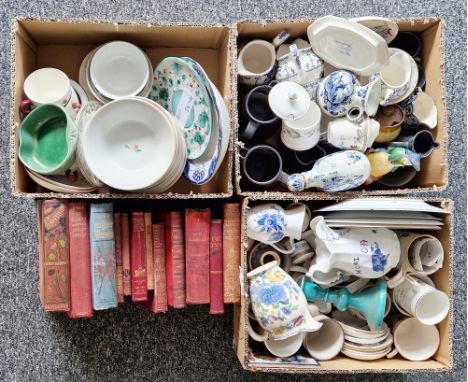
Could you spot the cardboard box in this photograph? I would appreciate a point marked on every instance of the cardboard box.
(38, 43)
(434, 173)
(441, 361)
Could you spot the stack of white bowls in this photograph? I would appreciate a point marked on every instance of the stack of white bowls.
(116, 70)
(133, 144)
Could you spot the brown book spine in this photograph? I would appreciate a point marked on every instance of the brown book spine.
(127, 272)
(56, 260)
(138, 258)
(216, 267)
(159, 303)
(41, 250)
(175, 259)
(231, 251)
(149, 250)
(81, 301)
(197, 256)
(118, 257)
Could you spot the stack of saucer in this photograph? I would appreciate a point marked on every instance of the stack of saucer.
(116, 70)
(360, 342)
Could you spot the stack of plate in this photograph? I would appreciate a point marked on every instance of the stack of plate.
(116, 70)
(183, 88)
(361, 342)
(132, 144)
(383, 212)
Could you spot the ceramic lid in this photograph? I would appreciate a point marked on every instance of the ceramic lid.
(288, 99)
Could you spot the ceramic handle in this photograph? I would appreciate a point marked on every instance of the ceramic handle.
(285, 251)
(392, 354)
(250, 130)
(295, 53)
(26, 106)
(256, 336)
(280, 38)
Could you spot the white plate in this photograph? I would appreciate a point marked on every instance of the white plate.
(384, 204)
(354, 326)
(385, 28)
(406, 215)
(348, 45)
(61, 183)
(377, 347)
(83, 97)
(367, 356)
(390, 226)
(366, 341)
(396, 222)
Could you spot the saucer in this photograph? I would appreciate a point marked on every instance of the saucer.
(62, 183)
(82, 96)
(365, 356)
(386, 28)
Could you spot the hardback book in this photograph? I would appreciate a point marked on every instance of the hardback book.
(127, 272)
(149, 250)
(138, 258)
(216, 267)
(41, 249)
(55, 264)
(118, 257)
(175, 259)
(231, 251)
(159, 302)
(80, 261)
(103, 263)
(197, 256)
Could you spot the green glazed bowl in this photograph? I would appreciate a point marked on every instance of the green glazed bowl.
(47, 140)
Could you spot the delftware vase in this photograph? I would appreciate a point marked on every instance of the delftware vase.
(386, 160)
(362, 252)
(354, 135)
(340, 94)
(278, 303)
(370, 303)
(269, 223)
(339, 171)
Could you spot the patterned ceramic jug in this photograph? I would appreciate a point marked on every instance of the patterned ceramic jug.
(269, 223)
(362, 252)
(339, 171)
(279, 303)
(340, 94)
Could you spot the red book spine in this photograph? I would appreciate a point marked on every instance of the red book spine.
(197, 256)
(118, 257)
(41, 249)
(127, 272)
(159, 303)
(216, 267)
(56, 261)
(80, 261)
(149, 251)
(138, 258)
(175, 259)
(231, 252)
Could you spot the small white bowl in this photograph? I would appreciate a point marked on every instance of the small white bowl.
(129, 144)
(119, 69)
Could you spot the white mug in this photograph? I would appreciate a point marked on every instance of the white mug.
(421, 300)
(326, 343)
(414, 340)
(303, 133)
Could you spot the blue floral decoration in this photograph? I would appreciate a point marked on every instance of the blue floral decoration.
(379, 260)
(296, 183)
(354, 156)
(272, 222)
(272, 294)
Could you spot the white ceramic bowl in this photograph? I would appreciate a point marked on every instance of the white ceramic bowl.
(119, 69)
(130, 144)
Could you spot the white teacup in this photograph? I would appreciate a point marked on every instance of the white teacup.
(414, 340)
(256, 63)
(355, 135)
(421, 300)
(303, 133)
(425, 109)
(327, 342)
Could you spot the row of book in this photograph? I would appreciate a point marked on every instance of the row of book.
(93, 258)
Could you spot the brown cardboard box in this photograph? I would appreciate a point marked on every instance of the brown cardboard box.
(63, 44)
(433, 175)
(441, 361)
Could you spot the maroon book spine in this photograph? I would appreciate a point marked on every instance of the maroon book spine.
(231, 252)
(138, 258)
(216, 267)
(159, 303)
(197, 256)
(127, 272)
(80, 261)
(118, 257)
(55, 256)
(149, 250)
(175, 259)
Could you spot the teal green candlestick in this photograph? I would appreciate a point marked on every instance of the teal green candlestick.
(370, 303)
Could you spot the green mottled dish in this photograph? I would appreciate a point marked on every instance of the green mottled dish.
(47, 140)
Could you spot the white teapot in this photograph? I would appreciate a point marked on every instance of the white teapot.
(362, 252)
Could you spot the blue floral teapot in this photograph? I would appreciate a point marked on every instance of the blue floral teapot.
(362, 252)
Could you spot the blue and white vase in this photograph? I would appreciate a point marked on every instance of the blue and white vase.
(340, 94)
(340, 171)
(269, 223)
(362, 252)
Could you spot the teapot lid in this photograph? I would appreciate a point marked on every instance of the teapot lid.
(289, 99)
